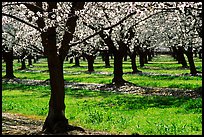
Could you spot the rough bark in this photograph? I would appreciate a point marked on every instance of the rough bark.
(8, 58)
(189, 54)
(181, 58)
(118, 70)
(22, 58)
(77, 64)
(23, 64)
(106, 59)
(90, 60)
(141, 57)
(56, 121)
(133, 63)
(145, 56)
(71, 60)
(125, 57)
(174, 53)
(30, 60)
(149, 55)
(200, 54)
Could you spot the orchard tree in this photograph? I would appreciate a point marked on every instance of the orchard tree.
(56, 24)
(46, 18)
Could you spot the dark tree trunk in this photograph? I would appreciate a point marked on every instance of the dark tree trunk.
(84, 59)
(118, 63)
(23, 64)
(102, 53)
(111, 55)
(152, 52)
(29, 60)
(8, 58)
(90, 59)
(181, 58)
(195, 53)
(56, 121)
(37, 58)
(189, 54)
(67, 58)
(125, 57)
(141, 59)
(149, 55)
(200, 54)
(34, 59)
(106, 58)
(19, 60)
(133, 63)
(71, 60)
(77, 64)
(145, 56)
(174, 53)
(118, 70)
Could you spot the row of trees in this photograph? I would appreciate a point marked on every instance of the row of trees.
(58, 29)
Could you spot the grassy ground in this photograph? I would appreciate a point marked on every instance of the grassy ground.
(113, 112)
(159, 65)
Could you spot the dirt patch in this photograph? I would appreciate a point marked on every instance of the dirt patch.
(15, 124)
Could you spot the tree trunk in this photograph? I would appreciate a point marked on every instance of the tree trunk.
(37, 58)
(141, 59)
(189, 54)
(8, 58)
(118, 70)
(125, 57)
(34, 59)
(181, 57)
(23, 64)
(195, 53)
(90, 59)
(200, 54)
(149, 55)
(56, 121)
(174, 53)
(77, 62)
(145, 56)
(19, 60)
(67, 58)
(71, 60)
(29, 60)
(133, 63)
(106, 59)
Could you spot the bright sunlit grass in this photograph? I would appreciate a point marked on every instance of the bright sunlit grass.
(111, 112)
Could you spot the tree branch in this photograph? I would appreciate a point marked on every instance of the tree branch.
(16, 18)
(26, 4)
(114, 25)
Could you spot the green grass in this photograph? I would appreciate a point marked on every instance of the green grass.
(161, 64)
(111, 112)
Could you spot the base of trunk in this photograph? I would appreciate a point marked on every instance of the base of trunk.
(118, 82)
(9, 76)
(59, 127)
(137, 71)
(53, 125)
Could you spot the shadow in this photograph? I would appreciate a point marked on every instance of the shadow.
(74, 66)
(102, 67)
(83, 93)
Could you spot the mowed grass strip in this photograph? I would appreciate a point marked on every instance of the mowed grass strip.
(111, 112)
(160, 65)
